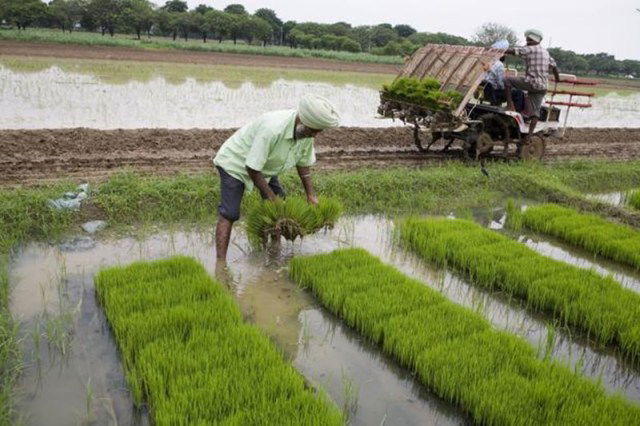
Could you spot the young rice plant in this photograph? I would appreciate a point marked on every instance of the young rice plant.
(188, 354)
(590, 232)
(425, 93)
(290, 218)
(634, 200)
(494, 376)
(598, 306)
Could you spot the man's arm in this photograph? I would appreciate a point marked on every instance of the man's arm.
(261, 183)
(307, 183)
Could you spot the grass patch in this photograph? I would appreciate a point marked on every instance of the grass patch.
(590, 232)
(291, 218)
(598, 306)
(162, 43)
(120, 72)
(188, 354)
(494, 376)
(634, 200)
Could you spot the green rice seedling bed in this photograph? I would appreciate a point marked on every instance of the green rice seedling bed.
(598, 306)
(616, 242)
(424, 92)
(188, 354)
(494, 376)
(290, 218)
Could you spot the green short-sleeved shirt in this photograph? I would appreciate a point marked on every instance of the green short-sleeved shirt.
(266, 145)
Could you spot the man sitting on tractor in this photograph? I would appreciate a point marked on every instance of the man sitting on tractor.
(538, 62)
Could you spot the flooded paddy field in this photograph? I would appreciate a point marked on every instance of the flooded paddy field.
(57, 93)
(68, 344)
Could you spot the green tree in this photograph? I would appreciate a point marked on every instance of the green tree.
(237, 26)
(404, 31)
(362, 35)
(168, 23)
(219, 24)
(236, 9)
(259, 29)
(381, 35)
(203, 9)
(349, 45)
(274, 22)
(437, 38)
(176, 6)
(24, 12)
(104, 13)
(286, 30)
(491, 32)
(137, 16)
(340, 29)
(67, 13)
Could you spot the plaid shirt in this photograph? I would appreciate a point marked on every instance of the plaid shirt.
(538, 62)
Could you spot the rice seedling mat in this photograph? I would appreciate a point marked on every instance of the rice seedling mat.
(619, 243)
(188, 354)
(494, 376)
(597, 306)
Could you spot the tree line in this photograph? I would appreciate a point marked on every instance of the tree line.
(174, 19)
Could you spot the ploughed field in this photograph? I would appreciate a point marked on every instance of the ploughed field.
(32, 156)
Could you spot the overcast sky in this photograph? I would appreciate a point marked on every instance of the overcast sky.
(585, 26)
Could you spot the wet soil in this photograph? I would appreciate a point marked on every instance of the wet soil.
(36, 156)
(17, 48)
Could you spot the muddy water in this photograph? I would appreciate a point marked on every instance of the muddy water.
(54, 98)
(55, 279)
(60, 98)
(82, 371)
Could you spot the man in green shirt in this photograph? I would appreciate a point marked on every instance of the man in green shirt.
(257, 153)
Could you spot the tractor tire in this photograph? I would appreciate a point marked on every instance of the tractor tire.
(532, 151)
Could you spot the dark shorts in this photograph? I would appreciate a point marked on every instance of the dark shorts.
(534, 95)
(232, 191)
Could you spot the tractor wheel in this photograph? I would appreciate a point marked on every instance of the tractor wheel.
(484, 144)
(534, 150)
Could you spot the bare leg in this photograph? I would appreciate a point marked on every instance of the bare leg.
(223, 236)
(509, 96)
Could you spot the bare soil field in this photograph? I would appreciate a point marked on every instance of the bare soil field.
(36, 156)
(73, 51)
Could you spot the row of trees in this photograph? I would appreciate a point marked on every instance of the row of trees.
(174, 19)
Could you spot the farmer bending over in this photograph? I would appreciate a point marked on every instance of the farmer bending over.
(261, 150)
(538, 62)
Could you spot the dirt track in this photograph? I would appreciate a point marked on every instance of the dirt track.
(52, 50)
(36, 156)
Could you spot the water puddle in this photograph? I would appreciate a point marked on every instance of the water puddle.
(54, 98)
(617, 199)
(54, 284)
(100, 96)
(558, 250)
(53, 287)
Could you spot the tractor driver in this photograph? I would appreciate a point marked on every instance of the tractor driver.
(538, 62)
(261, 150)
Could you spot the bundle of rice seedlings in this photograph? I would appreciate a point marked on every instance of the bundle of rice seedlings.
(494, 376)
(290, 218)
(424, 92)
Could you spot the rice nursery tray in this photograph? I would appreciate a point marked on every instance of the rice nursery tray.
(188, 354)
(619, 243)
(494, 376)
(598, 306)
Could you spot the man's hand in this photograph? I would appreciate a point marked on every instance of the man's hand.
(305, 178)
(312, 199)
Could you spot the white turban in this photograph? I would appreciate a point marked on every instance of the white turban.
(318, 113)
(535, 35)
